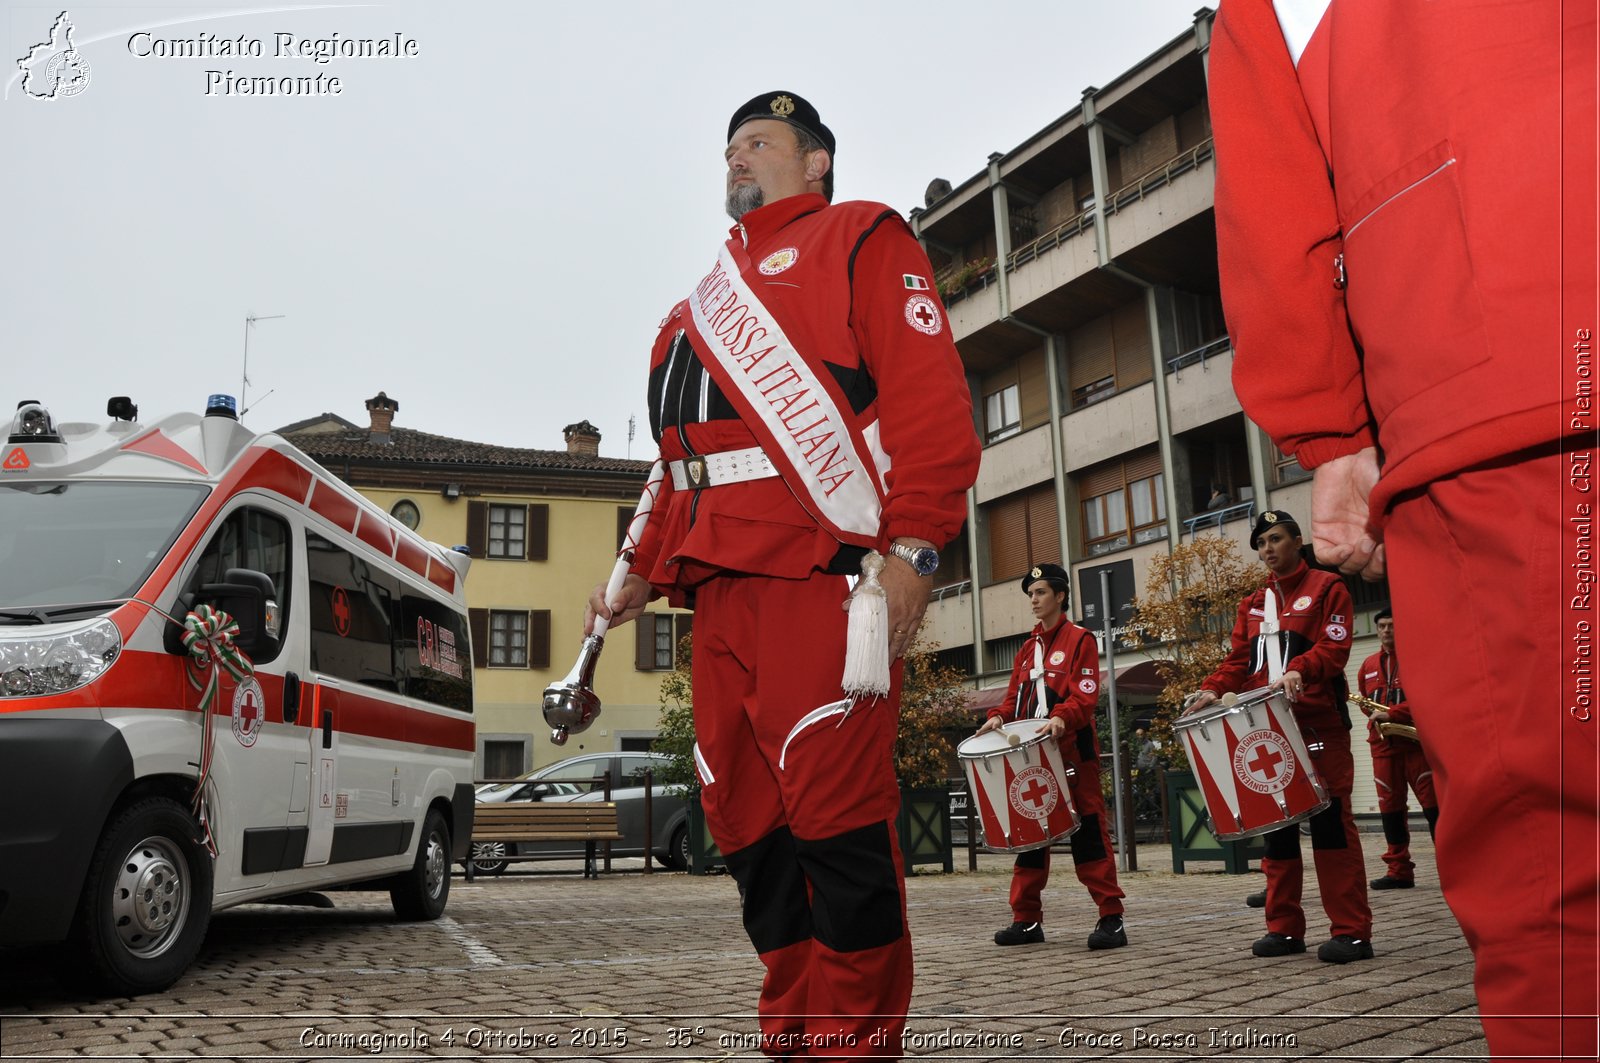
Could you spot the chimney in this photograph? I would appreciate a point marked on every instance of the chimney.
(382, 408)
(582, 438)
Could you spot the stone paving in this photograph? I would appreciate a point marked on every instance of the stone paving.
(547, 966)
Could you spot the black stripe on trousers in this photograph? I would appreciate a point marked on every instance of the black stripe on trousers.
(773, 891)
(855, 892)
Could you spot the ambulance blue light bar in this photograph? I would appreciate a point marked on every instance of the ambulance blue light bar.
(222, 406)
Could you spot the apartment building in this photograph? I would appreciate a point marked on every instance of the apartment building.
(542, 527)
(1080, 274)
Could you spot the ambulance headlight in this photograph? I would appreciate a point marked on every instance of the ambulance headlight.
(32, 665)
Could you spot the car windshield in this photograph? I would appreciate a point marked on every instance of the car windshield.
(71, 544)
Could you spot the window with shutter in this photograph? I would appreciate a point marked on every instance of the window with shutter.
(1091, 363)
(1130, 327)
(539, 638)
(538, 532)
(478, 619)
(477, 529)
(1008, 537)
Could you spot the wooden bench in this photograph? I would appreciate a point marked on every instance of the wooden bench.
(589, 822)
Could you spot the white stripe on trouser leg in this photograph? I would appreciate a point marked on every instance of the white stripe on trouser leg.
(835, 708)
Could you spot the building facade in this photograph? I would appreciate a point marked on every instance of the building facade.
(1080, 275)
(542, 527)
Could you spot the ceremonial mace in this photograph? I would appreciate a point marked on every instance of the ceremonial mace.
(571, 705)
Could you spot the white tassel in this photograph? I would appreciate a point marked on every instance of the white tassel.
(866, 660)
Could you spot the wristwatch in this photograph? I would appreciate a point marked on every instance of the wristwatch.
(924, 559)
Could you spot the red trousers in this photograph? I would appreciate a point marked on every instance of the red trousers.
(1402, 765)
(1335, 850)
(1091, 855)
(804, 813)
(1504, 699)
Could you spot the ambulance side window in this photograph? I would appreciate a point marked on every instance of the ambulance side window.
(432, 646)
(353, 606)
(253, 539)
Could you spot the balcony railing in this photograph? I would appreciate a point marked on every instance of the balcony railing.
(1160, 177)
(1216, 518)
(1200, 354)
(953, 590)
(953, 289)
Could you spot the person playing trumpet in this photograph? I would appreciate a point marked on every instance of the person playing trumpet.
(1397, 761)
(1310, 610)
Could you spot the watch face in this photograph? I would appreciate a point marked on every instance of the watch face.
(406, 512)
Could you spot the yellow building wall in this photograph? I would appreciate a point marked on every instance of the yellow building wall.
(582, 552)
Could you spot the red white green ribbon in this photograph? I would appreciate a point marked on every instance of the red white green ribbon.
(208, 635)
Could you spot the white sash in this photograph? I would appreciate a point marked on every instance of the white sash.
(834, 469)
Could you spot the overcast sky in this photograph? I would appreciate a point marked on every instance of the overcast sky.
(489, 230)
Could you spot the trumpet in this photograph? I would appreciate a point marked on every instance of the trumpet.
(571, 705)
(1366, 705)
(1385, 728)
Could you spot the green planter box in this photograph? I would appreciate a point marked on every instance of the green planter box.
(923, 825)
(704, 856)
(924, 828)
(1189, 826)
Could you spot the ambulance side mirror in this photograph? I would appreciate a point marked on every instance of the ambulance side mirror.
(247, 596)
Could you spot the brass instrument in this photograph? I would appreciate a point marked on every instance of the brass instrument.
(1385, 728)
(1398, 730)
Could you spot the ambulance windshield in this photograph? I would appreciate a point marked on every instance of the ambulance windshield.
(74, 543)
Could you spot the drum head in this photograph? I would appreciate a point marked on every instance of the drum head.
(987, 745)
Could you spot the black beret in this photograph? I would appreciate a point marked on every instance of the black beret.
(1054, 575)
(783, 107)
(1271, 519)
(1383, 614)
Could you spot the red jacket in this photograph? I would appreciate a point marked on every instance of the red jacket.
(854, 287)
(1380, 681)
(1072, 685)
(1314, 614)
(1422, 142)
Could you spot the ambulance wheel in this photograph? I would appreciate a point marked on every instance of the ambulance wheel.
(420, 894)
(146, 901)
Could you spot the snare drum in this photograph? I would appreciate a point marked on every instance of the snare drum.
(1019, 781)
(1252, 765)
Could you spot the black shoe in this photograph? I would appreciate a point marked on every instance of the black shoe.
(1278, 945)
(1020, 934)
(1109, 933)
(1256, 900)
(1343, 948)
(1387, 883)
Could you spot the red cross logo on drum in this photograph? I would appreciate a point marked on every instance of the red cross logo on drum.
(1264, 761)
(341, 612)
(1034, 793)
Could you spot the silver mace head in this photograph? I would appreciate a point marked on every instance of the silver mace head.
(571, 705)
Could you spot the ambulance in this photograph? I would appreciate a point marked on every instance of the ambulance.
(337, 749)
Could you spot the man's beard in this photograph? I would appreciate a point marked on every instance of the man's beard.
(742, 199)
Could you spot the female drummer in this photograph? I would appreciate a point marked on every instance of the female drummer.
(1313, 612)
(1058, 662)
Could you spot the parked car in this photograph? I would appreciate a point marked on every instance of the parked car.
(582, 778)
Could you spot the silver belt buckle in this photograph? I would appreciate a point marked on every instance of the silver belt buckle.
(694, 470)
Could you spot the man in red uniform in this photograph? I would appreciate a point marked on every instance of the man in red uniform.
(1313, 610)
(813, 411)
(1398, 762)
(1381, 296)
(1059, 662)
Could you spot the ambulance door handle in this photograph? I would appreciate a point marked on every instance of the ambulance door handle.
(291, 697)
(327, 728)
